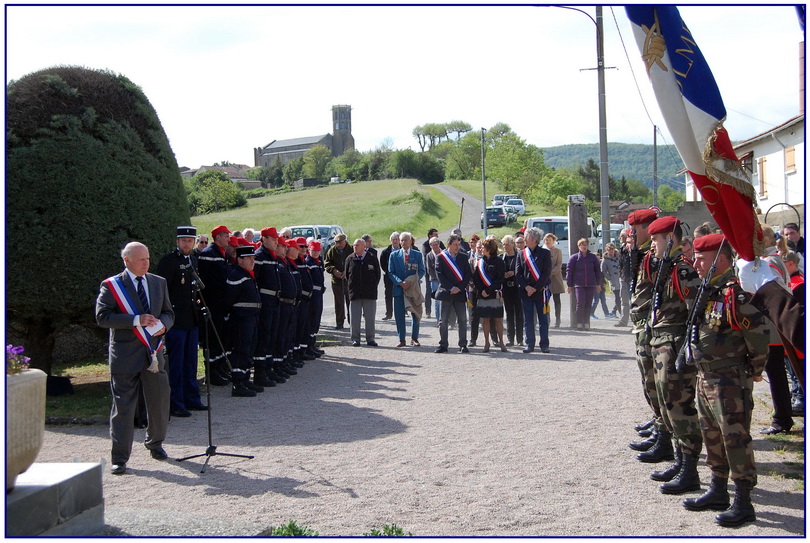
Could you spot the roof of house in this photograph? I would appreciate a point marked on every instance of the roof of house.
(767, 133)
(309, 140)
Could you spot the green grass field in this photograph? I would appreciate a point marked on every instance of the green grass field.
(372, 207)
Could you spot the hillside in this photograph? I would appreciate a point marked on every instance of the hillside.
(624, 159)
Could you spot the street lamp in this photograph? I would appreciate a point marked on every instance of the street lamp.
(604, 185)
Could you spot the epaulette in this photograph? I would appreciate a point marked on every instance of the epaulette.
(734, 296)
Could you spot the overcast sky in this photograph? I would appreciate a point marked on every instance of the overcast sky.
(226, 79)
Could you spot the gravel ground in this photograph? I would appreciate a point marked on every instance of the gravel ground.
(498, 444)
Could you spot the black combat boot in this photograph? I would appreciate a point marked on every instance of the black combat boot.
(277, 375)
(673, 470)
(252, 386)
(715, 498)
(661, 451)
(686, 480)
(261, 377)
(645, 425)
(645, 444)
(216, 377)
(741, 511)
(241, 389)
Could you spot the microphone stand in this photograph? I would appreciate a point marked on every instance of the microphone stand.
(212, 449)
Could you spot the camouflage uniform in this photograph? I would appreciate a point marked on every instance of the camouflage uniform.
(731, 349)
(676, 393)
(640, 304)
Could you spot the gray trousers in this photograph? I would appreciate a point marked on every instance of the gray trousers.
(368, 309)
(455, 305)
(156, 391)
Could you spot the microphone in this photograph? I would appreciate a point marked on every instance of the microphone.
(196, 277)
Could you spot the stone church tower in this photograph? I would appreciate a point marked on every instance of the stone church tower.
(342, 138)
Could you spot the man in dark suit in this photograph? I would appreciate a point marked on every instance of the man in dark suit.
(389, 286)
(453, 271)
(138, 315)
(533, 272)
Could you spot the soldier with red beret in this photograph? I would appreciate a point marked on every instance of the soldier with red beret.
(640, 302)
(675, 284)
(242, 303)
(267, 279)
(728, 343)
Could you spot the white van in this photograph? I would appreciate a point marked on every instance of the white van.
(558, 225)
(615, 230)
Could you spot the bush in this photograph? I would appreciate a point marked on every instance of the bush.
(292, 529)
(389, 530)
(86, 159)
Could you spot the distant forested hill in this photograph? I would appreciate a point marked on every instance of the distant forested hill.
(624, 159)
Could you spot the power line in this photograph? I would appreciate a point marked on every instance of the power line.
(632, 72)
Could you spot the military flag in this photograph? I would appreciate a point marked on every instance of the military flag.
(694, 113)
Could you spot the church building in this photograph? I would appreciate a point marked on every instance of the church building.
(339, 141)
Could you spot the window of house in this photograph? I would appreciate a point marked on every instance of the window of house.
(747, 161)
(763, 185)
(790, 159)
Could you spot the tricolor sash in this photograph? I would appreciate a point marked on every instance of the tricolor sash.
(125, 304)
(532, 265)
(445, 255)
(482, 273)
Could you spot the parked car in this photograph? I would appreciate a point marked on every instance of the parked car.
(325, 233)
(500, 199)
(518, 204)
(511, 213)
(496, 216)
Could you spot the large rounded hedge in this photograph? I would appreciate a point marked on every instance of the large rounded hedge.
(89, 168)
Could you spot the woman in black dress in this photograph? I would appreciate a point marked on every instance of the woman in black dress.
(488, 279)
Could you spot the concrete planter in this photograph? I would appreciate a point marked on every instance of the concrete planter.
(25, 421)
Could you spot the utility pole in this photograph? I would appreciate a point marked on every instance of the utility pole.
(604, 184)
(484, 184)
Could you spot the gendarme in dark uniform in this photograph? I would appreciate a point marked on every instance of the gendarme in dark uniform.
(183, 338)
(316, 271)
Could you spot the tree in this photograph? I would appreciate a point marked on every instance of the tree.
(348, 165)
(459, 127)
(86, 155)
(514, 163)
(316, 159)
(463, 161)
(434, 132)
(669, 199)
(498, 131)
(293, 170)
(419, 134)
(214, 191)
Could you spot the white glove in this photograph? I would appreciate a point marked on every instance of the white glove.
(754, 274)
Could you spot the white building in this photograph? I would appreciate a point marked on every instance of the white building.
(775, 162)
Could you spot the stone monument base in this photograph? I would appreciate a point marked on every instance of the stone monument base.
(54, 499)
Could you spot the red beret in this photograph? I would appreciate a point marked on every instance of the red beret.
(301, 240)
(710, 242)
(642, 216)
(270, 231)
(664, 225)
(244, 242)
(315, 245)
(220, 229)
(233, 241)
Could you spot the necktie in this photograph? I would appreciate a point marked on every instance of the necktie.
(406, 257)
(142, 295)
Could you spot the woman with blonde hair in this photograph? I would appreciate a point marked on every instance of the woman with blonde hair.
(556, 286)
(511, 293)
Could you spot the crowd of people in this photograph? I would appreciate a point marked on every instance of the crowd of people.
(703, 337)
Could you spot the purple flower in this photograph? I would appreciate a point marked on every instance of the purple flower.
(19, 349)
